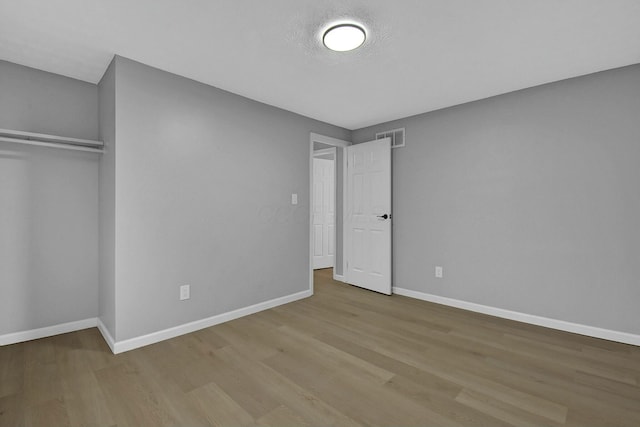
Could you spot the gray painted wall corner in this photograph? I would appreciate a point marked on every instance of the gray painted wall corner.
(204, 179)
(529, 200)
(107, 193)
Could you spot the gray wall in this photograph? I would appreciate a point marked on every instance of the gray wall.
(36, 101)
(48, 203)
(107, 111)
(529, 200)
(203, 187)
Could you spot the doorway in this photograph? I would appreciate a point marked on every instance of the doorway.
(361, 220)
(323, 212)
(331, 226)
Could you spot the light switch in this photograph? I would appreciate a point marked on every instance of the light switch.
(294, 199)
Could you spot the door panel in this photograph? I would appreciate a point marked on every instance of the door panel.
(317, 241)
(368, 235)
(378, 252)
(332, 240)
(358, 194)
(357, 254)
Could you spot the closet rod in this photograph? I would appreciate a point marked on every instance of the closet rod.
(51, 144)
(53, 141)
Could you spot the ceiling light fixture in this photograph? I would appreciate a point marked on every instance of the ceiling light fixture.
(344, 37)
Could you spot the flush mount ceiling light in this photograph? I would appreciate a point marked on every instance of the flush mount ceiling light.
(344, 37)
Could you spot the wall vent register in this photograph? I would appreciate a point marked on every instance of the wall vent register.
(396, 135)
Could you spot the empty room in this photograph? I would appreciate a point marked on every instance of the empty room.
(314, 213)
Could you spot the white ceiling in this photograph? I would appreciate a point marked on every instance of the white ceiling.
(421, 55)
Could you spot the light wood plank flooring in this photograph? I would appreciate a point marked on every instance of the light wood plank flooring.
(344, 357)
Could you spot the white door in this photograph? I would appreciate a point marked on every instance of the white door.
(368, 219)
(323, 213)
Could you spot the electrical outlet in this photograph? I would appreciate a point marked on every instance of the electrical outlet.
(185, 292)
(294, 198)
(438, 272)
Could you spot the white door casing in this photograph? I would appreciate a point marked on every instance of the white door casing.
(368, 231)
(323, 213)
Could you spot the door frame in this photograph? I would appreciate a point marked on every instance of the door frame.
(325, 151)
(339, 144)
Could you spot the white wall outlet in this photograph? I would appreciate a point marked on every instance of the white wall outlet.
(185, 292)
(294, 198)
(438, 272)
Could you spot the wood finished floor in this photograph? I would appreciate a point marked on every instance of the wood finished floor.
(345, 357)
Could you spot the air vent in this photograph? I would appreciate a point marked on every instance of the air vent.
(396, 135)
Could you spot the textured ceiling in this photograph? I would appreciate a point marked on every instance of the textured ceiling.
(421, 55)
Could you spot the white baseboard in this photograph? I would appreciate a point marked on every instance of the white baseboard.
(154, 337)
(576, 328)
(48, 331)
(106, 335)
(339, 277)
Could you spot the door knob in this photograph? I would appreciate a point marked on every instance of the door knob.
(385, 216)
